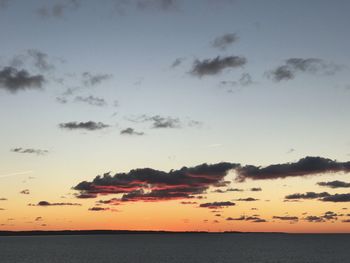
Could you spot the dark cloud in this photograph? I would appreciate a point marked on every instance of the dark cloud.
(25, 192)
(327, 216)
(286, 218)
(334, 184)
(130, 131)
(337, 198)
(255, 219)
(248, 199)
(216, 65)
(90, 79)
(304, 167)
(86, 196)
(215, 205)
(241, 218)
(14, 80)
(147, 184)
(292, 66)
(234, 190)
(308, 195)
(89, 125)
(346, 221)
(39, 218)
(98, 208)
(256, 189)
(91, 100)
(30, 151)
(46, 203)
(3, 199)
(222, 42)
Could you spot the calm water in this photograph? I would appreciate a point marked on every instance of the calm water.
(203, 248)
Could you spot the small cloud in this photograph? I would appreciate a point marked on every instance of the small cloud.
(249, 199)
(224, 41)
(215, 205)
(25, 192)
(217, 65)
(131, 131)
(91, 100)
(89, 125)
(30, 151)
(90, 79)
(98, 209)
(308, 195)
(177, 62)
(334, 184)
(286, 218)
(256, 189)
(46, 203)
(293, 66)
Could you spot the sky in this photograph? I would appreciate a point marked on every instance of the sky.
(201, 115)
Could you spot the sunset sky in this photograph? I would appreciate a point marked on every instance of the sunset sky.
(178, 115)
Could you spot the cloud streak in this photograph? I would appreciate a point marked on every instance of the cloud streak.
(89, 125)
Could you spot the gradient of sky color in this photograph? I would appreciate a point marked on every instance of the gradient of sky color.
(131, 46)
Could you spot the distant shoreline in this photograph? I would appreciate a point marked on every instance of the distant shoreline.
(135, 232)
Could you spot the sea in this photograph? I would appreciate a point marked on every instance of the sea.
(177, 248)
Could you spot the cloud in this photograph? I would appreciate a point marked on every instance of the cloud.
(215, 205)
(241, 218)
(334, 184)
(40, 60)
(3, 199)
(89, 125)
(248, 199)
(293, 66)
(286, 218)
(148, 184)
(337, 198)
(217, 65)
(46, 203)
(25, 192)
(256, 189)
(90, 79)
(14, 80)
(30, 151)
(91, 100)
(86, 196)
(224, 41)
(177, 62)
(304, 167)
(308, 195)
(159, 122)
(97, 209)
(131, 131)
(39, 218)
(327, 216)
(254, 219)
(4, 3)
